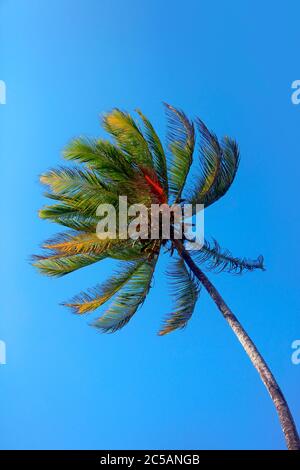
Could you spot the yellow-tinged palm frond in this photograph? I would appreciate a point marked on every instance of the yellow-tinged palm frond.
(97, 296)
(185, 290)
(128, 136)
(129, 298)
(54, 263)
(74, 242)
(181, 142)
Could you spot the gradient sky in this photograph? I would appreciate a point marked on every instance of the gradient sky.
(232, 63)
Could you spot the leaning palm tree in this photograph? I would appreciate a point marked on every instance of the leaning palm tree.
(134, 163)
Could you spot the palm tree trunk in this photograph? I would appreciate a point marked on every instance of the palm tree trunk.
(284, 414)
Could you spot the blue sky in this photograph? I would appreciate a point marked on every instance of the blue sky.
(232, 63)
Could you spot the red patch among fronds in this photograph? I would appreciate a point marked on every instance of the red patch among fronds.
(155, 186)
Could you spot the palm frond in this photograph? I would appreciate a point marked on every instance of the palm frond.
(217, 260)
(65, 215)
(85, 190)
(69, 181)
(73, 242)
(158, 153)
(86, 203)
(219, 163)
(114, 164)
(130, 297)
(186, 292)
(181, 142)
(81, 190)
(54, 263)
(229, 167)
(83, 150)
(210, 161)
(97, 296)
(102, 156)
(123, 128)
(58, 265)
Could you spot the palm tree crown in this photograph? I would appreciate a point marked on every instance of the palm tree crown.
(134, 163)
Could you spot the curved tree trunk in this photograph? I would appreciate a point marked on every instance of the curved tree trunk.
(285, 416)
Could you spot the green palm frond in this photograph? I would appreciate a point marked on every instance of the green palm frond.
(65, 215)
(130, 297)
(219, 261)
(59, 265)
(229, 167)
(69, 181)
(126, 132)
(83, 150)
(210, 162)
(86, 202)
(158, 153)
(186, 292)
(219, 163)
(81, 190)
(80, 203)
(181, 142)
(101, 156)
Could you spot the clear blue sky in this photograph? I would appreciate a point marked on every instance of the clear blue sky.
(232, 63)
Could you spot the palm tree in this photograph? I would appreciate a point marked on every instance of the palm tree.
(134, 164)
